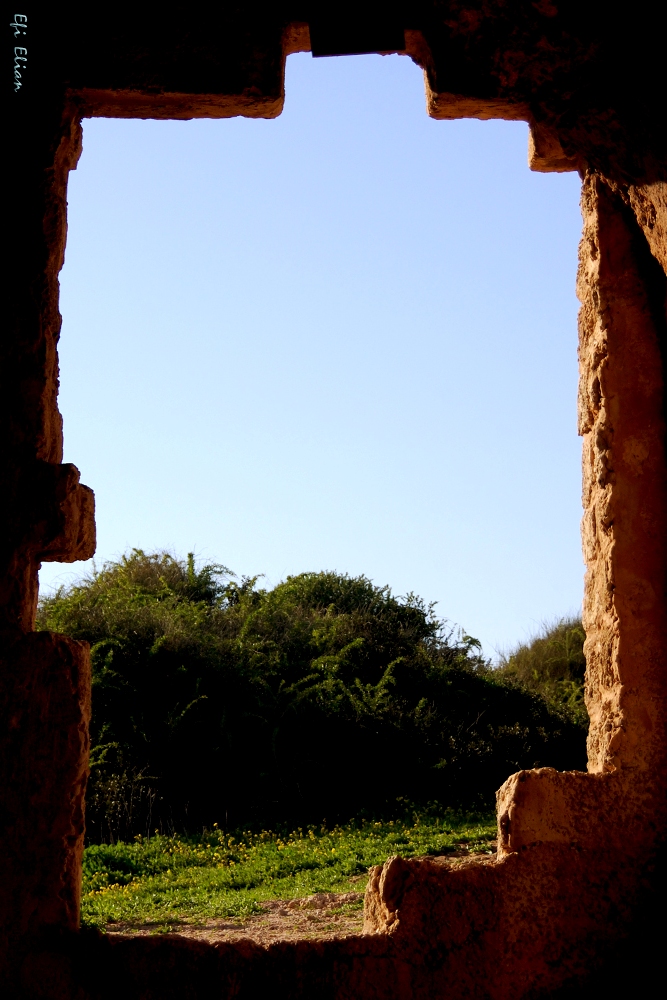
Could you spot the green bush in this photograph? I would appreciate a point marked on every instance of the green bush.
(323, 698)
(552, 664)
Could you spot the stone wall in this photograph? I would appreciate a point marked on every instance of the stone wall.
(579, 854)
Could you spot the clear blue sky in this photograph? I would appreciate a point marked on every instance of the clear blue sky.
(344, 339)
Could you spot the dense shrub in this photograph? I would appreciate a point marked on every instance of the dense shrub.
(552, 664)
(218, 701)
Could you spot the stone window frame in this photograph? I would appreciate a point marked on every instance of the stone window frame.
(541, 913)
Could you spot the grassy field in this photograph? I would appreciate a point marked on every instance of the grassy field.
(170, 881)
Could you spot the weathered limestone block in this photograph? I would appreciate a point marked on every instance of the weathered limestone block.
(44, 715)
(546, 806)
(55, 513)
(622, 420)
(72, 534)
(46, 149)
(218, 63)
(649, 203)
(48, 514)
(545, 152)
(51, 517)
(526, 924)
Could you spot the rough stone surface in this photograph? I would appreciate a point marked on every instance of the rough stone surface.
(649, 203)
(545, 153)
(579, 859)
(44, 715)
(624, 531)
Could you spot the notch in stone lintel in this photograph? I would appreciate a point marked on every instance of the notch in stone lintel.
(353, 29)
(545, 153)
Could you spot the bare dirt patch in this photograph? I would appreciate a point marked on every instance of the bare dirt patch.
(324, 915)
